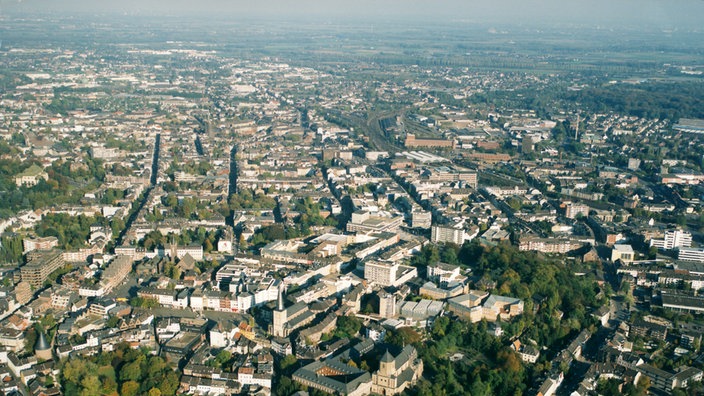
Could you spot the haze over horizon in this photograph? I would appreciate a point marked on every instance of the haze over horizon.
(657, 14)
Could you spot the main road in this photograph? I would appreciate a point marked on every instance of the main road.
(145, 196)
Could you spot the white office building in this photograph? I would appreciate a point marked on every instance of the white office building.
(673, 240)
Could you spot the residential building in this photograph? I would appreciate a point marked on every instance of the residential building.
(549, 245)
(573, 209)
(647, 329)
(40, 266)
(528, 352)
(667, 380)
(30, 176)
(448, 234)
(47, 243)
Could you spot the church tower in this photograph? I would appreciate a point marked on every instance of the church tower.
(280, 316)
(387, 365)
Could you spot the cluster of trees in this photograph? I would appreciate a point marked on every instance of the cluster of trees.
(127, 144)
(612, 387)
(663, 100)
(199, 236)
(196, 168)
(172, 271)
(9, 80)
(348, 326)
(90, 170)
(126, 371)
(47, 324)
(309, 216)
(246, 199)
(656, 100)
(121, 170)
(274, 232)
(207, 265)
(187, 207)
(112, 195)
(63, 104)
(364, 188)
(221, 361)
(71, 231)
(64, 186)
(141, 302)
(494, 369)
(489, 367)
(51, 279)
(152, 239)
(11, 249)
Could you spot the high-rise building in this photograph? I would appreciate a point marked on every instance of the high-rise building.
(572, 210)
(447, 234)
(387, 273)
(421, 219)
(40, 266)
(673, 239)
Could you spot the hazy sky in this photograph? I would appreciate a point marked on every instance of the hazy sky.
(655, 13)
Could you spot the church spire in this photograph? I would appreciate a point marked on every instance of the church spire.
(280, 300)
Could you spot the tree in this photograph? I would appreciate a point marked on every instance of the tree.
(449, 253)
(440, 325)
(169, 383)
(109, 386)
(11, 249)
(91, 385)
(287, 362)
(73, 371)
(156, 365)
(223, 357)
(207, 246)
(403, 336)
(154, 392)
(113, 321)
(129, 388)
(643, 385)
(131, 371)
(172, 271)
(30, 339)
(479, 388)
(348, 326)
